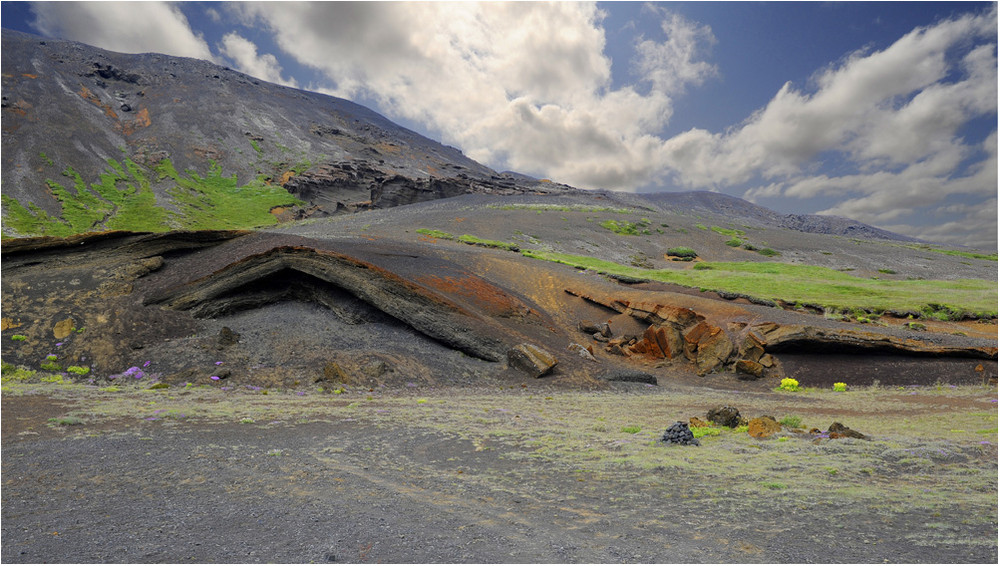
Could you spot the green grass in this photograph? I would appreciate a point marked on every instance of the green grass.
(466, 238)
(626, 228)
(821, 286)
(436, 234)
(123, 199)
(970, 255)
(734, 242)
(727, 231)
(217, 202)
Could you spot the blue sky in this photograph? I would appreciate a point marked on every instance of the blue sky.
(884, 112)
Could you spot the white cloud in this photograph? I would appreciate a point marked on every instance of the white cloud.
(672, 64)
(524, 86)
(125, 27)
(243, 53)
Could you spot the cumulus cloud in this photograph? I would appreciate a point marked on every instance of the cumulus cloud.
(525, 86)
(243, 53)
(125, 27)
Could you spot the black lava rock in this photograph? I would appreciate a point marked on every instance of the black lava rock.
(679, 433)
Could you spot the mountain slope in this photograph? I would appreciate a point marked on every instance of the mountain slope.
(175, 131)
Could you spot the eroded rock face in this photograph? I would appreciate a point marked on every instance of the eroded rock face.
(329, 276)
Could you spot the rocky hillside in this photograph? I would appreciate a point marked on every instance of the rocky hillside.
(96, 140)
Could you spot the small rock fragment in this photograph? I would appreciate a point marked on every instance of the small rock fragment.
(582, 351)
(628, 375)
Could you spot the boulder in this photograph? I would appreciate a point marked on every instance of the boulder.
(752, 348)
(749, 370)
(763, 427)
(226, 338)
(714, 349)
(531, 359)
(724, 416)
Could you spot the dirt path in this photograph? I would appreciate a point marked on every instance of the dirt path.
(460, 477)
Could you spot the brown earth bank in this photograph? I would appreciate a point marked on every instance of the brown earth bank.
(528, 474)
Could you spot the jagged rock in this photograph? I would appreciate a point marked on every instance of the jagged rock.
(752, 348)
(767, 360)
(749, 369)
(838, 430)
(679, 433)
(657, 314)
(582, 351)
(713, 349)
(763, 427)
(726, 416)
(628, 375)
(531, 359)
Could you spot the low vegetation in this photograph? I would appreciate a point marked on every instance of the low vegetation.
(123, 199)
(827, 288)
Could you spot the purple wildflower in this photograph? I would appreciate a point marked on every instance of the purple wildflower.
(300, 393)
(146, 365)
(59, 343)
(215, 378)
(218, 363)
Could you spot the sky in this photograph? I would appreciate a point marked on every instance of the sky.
(884, 112)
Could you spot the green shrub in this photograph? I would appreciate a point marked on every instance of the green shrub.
(734, 242)
(700, 431)
(51, 366)
(768, 252)
(682, 252)
(887, 271)
(791, 421)
(19, 337)
(789, 384)
(840, 386)
(78, 370)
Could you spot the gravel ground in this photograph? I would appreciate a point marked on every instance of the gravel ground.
(391, 487)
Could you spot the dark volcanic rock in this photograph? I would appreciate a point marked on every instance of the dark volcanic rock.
(679, 433)
(628, 375)
(724, 416)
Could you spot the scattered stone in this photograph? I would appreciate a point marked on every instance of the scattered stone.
(679, 433)
(589, 327)
(628, 375)
(767, 360)
(749, 370)
(531, 359)
(727, 416)
(62, 328)
(582, 351)
(763, 427)
(838, 430)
